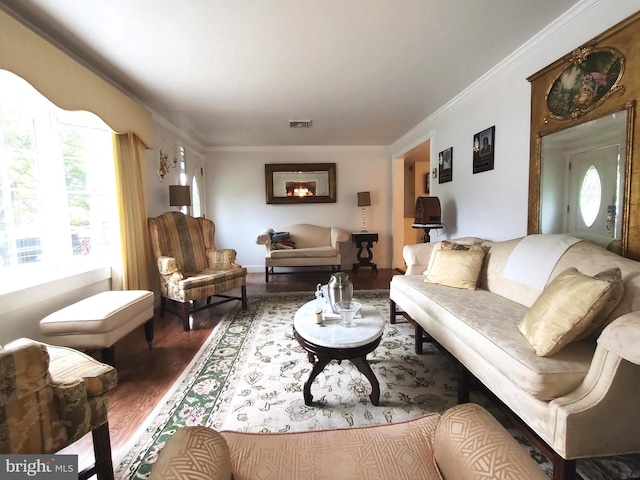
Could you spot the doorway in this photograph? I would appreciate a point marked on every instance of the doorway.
(593, 203)
(411, 180)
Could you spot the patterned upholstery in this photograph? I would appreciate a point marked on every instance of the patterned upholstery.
(466, 443)
(471, 444)
(190, 266)
(52, 396)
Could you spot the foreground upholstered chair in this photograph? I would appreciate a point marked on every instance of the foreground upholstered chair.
(466, 443)
(191, 267)
(52, 396)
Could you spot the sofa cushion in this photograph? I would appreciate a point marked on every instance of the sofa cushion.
(563, 311)
(384, 451)
(313, 252)
(456, 268)
(488, 322)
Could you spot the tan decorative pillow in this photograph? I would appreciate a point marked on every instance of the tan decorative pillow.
(563, 311)
(448, 245)
(456, 268)
(601, 320)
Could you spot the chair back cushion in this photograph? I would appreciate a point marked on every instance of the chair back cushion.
(174, 234)
(309, 236)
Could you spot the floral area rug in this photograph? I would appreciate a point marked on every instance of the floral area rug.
(249, 375)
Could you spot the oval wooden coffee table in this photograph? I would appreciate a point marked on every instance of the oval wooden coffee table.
(331, 341)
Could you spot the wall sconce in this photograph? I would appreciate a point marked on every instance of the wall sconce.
(179, 196)
(164, 164)
(364, 200)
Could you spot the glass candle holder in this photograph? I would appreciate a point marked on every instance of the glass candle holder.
(347, 310)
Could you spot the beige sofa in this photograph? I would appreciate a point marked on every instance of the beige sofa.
(314, 246)
(583, 400)
(466, 443)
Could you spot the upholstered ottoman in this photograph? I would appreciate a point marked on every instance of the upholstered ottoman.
(100, 321)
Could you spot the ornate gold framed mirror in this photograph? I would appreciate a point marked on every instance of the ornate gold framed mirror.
(582, 179)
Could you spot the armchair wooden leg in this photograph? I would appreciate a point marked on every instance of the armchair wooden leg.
(266, 274)
(392, 312)
(244, 297)
(184, 313)
(102, 451)
(163, 305)
(108, 355)
(148, 332)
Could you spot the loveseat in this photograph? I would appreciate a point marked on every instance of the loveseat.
(302, 245)
(465, 443)
(581, 400)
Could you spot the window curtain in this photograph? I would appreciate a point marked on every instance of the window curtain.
(130, 166)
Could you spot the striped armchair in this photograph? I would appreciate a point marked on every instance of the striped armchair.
(191, 267)
(52, 396)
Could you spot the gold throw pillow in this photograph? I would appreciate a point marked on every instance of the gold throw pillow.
(601, 320)
(456, 268)
(563, 311)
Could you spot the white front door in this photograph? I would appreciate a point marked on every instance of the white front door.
(592, 209)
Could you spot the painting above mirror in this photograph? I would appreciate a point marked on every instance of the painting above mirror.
(582, 180)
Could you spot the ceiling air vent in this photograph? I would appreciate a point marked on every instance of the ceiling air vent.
(299, 123)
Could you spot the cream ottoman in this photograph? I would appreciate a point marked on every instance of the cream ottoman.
(100, 321)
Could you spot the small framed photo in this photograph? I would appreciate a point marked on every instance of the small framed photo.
(484, 144)
(445, 165)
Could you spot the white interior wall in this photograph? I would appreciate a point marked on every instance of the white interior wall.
(236, 198)
(493, 204)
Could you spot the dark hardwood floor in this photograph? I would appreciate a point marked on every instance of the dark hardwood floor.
(144, 376)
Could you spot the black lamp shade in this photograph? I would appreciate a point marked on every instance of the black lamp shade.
(179, 195)
(364, 199)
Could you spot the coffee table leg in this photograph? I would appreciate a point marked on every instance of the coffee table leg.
(364, 367)
(317, 368)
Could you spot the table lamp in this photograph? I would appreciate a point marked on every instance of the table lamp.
(179, 196)
(364, 200)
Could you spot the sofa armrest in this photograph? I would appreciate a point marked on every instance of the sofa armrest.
(622, 337)
(469, 443)
(338, 235)
(221, 258)
(265, 237)
(175, 459)
(416, 257)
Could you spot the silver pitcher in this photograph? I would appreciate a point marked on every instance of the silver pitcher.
(340, 289)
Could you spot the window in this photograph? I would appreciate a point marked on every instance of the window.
(195, 200)
(590, 196)
(57, 203)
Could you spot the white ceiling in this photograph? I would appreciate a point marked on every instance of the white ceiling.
(234, 72)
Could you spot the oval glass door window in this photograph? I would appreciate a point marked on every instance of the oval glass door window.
(590, 196)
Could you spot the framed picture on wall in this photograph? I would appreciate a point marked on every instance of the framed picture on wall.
(484, 144)
(445, 165)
